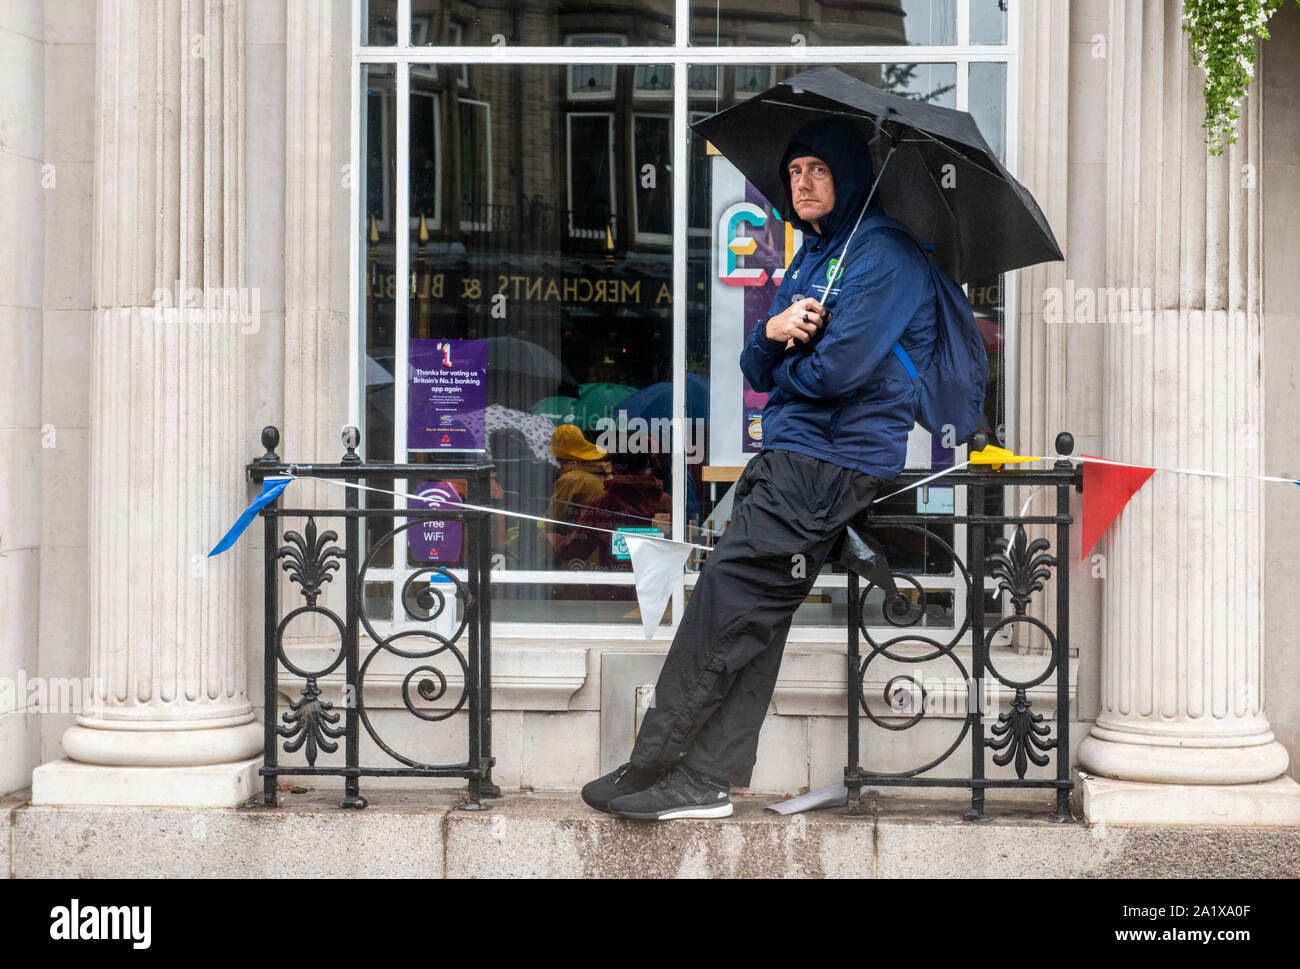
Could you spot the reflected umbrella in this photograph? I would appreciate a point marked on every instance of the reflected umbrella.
(594, 402)
(656, 401)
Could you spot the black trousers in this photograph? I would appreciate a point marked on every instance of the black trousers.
(719, 674)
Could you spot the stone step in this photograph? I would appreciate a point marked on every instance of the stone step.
(534, 835)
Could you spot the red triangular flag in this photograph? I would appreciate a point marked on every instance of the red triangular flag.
(1106, 490)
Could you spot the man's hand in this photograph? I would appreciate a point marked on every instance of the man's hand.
(799, 322)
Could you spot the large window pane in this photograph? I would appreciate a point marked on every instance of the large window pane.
(988, 21)
(378, 233)
(988, 104)
(378, 104)
(641, 23)
(539, 238)
(379, 23)
(932, 83)
(823, 23)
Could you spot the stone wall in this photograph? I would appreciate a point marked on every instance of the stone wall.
(22, 219)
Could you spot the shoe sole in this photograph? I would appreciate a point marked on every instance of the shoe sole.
(673, 814)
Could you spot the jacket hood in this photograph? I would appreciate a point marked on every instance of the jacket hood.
(840, 144)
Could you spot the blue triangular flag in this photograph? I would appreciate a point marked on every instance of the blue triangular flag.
(271, 488)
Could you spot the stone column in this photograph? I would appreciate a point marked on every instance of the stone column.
(1181, 726)
(167, 720)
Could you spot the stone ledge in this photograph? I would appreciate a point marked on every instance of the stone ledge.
(400, 834)
(1274, 804)
(422, 835)
(66, 783)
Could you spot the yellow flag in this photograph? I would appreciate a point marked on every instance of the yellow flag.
(998, 456)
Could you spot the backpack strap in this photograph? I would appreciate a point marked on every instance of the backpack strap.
(905, 360)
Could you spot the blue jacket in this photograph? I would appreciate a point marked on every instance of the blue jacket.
(844, 396)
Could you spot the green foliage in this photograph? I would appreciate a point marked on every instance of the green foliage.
(1223, 35)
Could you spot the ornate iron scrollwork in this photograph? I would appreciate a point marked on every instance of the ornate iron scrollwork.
(435, 658)
(1014, 565)
(1021, 570)
(1019, 731)
(309, 722)
(310, 562)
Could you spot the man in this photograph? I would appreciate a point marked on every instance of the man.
(834, 432)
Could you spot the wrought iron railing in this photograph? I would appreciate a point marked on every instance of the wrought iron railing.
(314, 557)
(1020, 568)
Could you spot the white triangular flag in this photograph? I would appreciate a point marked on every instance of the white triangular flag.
(656, 563)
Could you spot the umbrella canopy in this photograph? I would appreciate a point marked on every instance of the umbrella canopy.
(979, 218)
(656, 401)
(595, 401)
(508, 355)
(558, 410)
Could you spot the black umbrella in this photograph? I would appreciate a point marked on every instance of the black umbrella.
(525, 372)
(979, 218)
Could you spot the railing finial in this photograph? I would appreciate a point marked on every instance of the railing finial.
(351, 440)
(270, 441)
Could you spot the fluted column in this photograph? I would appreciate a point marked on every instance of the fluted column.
(168, 439)
(1181, 674)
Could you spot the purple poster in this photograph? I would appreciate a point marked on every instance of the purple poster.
(436, 541)
(447, 395)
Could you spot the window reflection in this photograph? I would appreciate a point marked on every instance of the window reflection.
(642, 23)
(823, 23)
(539, 240)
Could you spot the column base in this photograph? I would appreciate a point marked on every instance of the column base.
(1184, 763)
(67, 782)
(164, 744)
(1270, 804)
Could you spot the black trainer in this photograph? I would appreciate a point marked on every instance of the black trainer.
(681, 793)
(623, 780)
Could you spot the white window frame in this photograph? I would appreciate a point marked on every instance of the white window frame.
(681, 56)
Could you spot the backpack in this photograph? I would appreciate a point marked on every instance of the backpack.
(951, 389)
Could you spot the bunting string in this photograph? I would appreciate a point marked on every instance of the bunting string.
(657, 561)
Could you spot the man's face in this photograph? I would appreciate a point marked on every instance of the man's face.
(811, 188)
